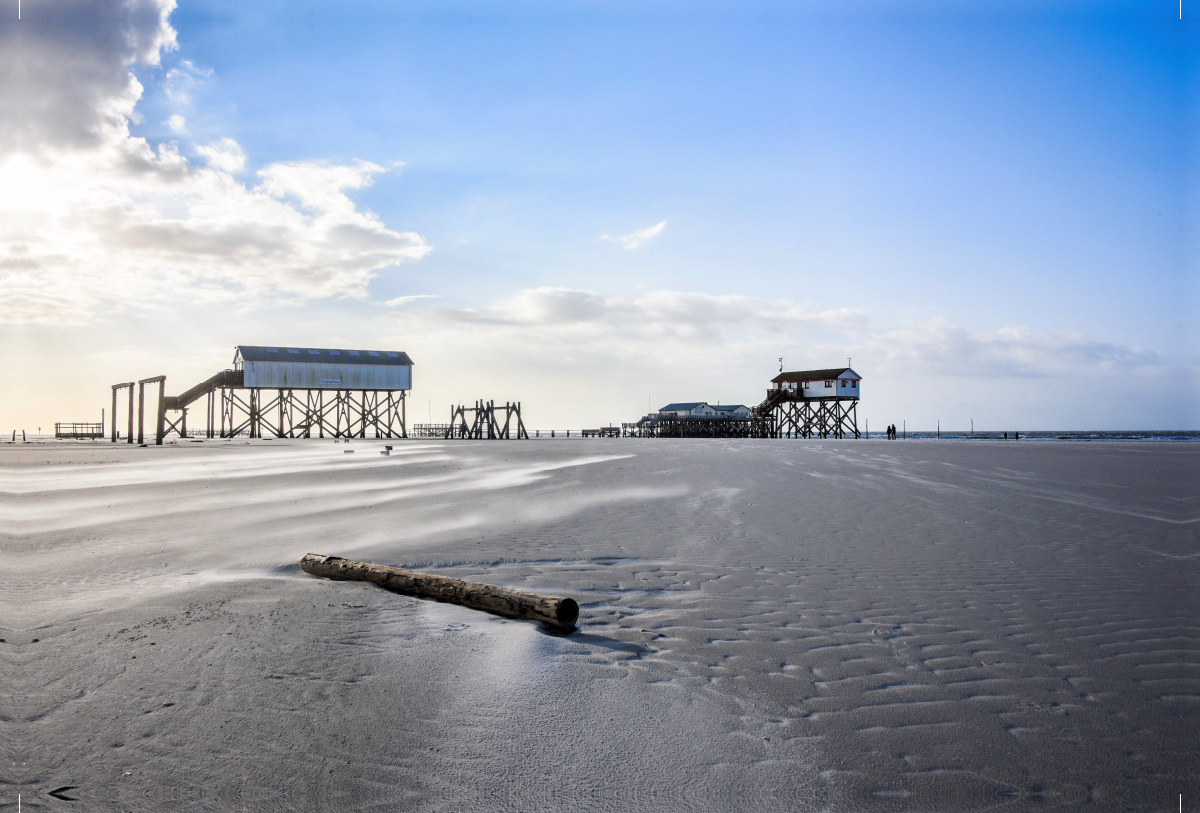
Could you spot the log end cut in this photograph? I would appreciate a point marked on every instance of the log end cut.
(568, 614)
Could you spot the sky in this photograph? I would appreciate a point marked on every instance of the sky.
(599, 208)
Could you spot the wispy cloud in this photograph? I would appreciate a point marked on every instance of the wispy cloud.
(182, 81)
(707, 328)
(639, 237)
(401, 301)
(1010, 351)
(225, 155)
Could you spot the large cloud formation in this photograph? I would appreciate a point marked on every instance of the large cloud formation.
(90, 214)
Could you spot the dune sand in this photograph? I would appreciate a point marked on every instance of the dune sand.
(843, 626)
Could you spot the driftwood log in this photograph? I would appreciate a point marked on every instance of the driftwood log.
(560, 614)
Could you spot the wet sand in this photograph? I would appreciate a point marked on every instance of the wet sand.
(841, 626)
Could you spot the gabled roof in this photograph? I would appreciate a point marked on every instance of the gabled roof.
(815, 375)
(683, 406)
(321, 354)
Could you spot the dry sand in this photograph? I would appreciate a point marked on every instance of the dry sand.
(843, 626)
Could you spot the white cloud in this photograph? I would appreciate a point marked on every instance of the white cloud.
(400, 301)
(318, 185)
(225, 155)
(66, 71)
(91, 216)
(639, 237)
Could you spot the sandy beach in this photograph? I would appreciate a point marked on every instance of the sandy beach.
(765, 625)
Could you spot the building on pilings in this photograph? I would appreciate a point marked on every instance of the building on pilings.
(288, 392)
(813, 403)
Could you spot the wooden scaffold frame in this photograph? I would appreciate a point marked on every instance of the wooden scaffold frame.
(233, 410)
(816, 418)
(485, 423)
(259, 413)
(115, 389)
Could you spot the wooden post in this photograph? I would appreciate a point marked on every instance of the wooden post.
(162, 410)
(114, 415)
(141, 410)
(560, 614)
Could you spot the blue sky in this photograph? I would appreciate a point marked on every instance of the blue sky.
(1031, 160)
(1004, 197)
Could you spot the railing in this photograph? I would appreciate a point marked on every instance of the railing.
(79, 430)
(428, 430)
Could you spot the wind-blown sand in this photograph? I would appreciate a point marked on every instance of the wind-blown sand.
(766, 625)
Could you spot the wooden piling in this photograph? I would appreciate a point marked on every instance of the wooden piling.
(141, 411)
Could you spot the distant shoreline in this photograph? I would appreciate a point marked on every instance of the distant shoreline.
(544, 434)
(1071, 435)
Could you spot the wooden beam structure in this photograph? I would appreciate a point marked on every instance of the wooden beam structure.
(259, 413)
(161, 380)
(232, 409)
(669, 426)
(484, 423)
(115, 388)
(798, 416)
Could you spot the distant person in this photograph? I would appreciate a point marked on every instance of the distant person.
(1016, 435)
(1006, 436)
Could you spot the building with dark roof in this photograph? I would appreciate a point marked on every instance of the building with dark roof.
(703, 409)
(315, 368)
(687, 409)
(833, 382)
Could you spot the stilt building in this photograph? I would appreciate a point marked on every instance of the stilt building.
(813, 403)
(288, 392)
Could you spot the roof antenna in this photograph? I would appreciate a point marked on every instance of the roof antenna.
(847, 361)
(781, 364)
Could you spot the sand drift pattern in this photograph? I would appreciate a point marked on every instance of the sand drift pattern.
(763, 626)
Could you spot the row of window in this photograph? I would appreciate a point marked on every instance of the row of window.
(333, 352)
(829, 384)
